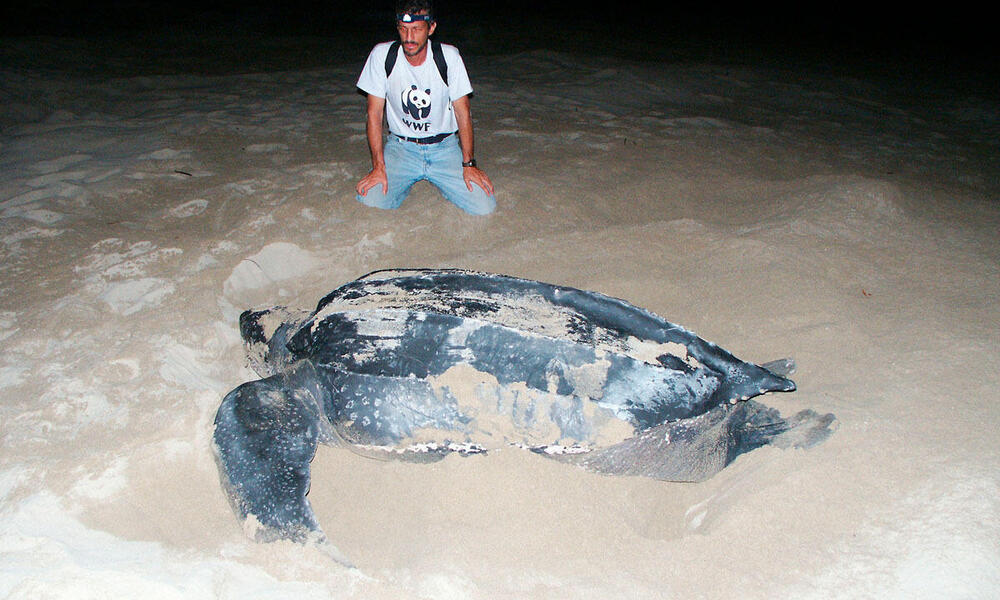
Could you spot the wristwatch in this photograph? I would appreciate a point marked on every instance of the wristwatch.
(470, 163)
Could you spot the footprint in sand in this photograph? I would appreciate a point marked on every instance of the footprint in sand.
(13, 375)
(117, 273)
(58, 164)
(189, 209)
(8, 324)
(117, 371)
(266, 148)
(130, 296)
(13, 241)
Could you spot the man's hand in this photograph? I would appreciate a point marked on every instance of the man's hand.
(476, 176)
(375, 177)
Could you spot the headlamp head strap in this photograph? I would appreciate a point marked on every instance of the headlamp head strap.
(412, 18)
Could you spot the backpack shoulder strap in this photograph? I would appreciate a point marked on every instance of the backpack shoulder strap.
(390, 59)
(439, 60)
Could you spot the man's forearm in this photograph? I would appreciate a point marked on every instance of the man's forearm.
(375, 143)
(463, 115)
(467, 140)
(373, 130)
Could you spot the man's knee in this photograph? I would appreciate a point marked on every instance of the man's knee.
(481, 204)
(377, 198)
(474, 202)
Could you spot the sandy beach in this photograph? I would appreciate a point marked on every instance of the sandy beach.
(849, 220)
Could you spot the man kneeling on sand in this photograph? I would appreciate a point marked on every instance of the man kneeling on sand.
(423, 89)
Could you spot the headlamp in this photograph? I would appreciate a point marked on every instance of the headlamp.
(411, 18)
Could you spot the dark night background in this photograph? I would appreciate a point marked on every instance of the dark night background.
(948, 44)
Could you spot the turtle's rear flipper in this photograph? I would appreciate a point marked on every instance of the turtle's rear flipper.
(782, 366)
(804, 430)
(697, 448)
(266, 433)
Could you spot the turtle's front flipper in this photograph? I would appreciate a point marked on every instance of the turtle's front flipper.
(266, 433)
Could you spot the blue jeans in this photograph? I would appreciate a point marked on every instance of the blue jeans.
(441, 164)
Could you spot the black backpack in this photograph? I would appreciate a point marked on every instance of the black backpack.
(390, 59)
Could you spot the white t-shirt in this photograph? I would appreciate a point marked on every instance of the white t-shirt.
(418, 104)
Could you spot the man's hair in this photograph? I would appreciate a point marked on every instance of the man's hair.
(414, 7)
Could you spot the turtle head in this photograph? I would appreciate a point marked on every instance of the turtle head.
(265, 335)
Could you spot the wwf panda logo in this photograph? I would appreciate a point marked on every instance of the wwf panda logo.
(417, 104)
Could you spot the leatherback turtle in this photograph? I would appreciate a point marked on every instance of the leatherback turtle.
(420, 363)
